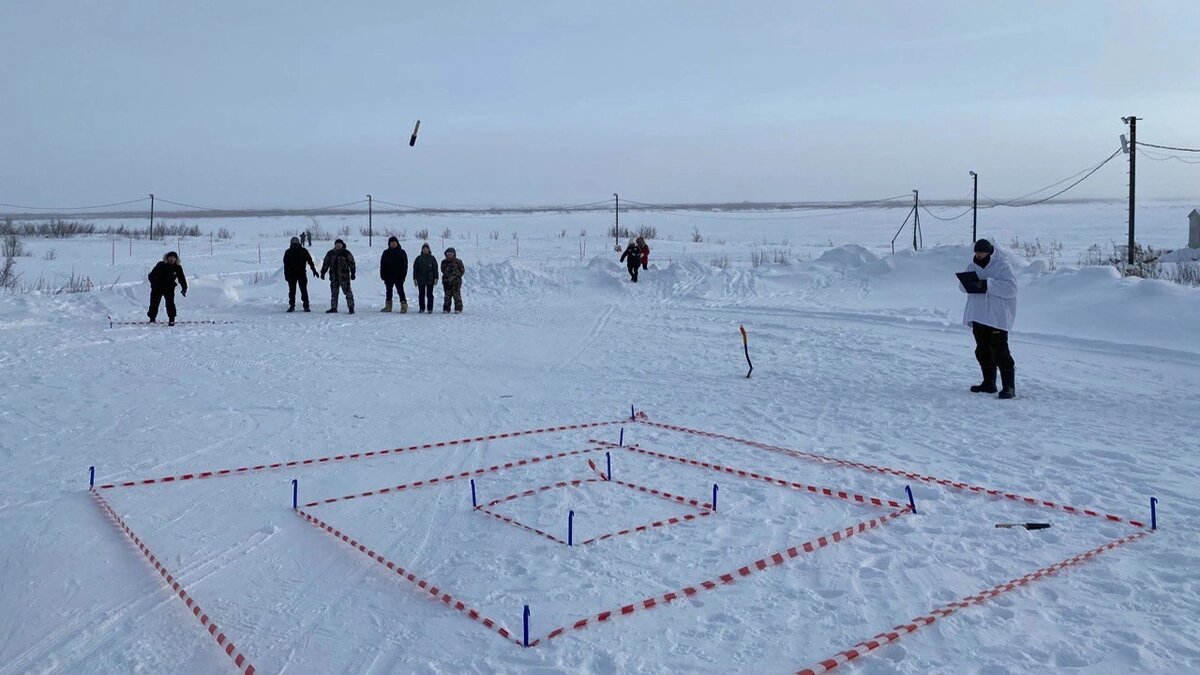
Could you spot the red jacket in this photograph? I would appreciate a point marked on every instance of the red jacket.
(645, 256)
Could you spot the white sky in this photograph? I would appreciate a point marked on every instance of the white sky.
(308, 103)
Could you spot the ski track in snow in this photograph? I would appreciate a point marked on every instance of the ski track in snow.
(851, 361)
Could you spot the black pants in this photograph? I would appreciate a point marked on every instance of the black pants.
(633, 270)
(425, 292)
(399, 286)
(157, 295)
(302, 282)
(991, 350)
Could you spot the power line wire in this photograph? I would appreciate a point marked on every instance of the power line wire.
(75, 208)
(1043, 200)
(1170, 147)
(1158, 157)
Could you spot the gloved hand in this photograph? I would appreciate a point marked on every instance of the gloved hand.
(352, 277)
(184, 291)
(322, 275)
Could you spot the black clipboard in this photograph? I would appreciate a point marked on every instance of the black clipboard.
(972, 282)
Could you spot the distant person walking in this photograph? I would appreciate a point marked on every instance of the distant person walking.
(425, 275)
(339, 263)
(990, 315)
(632, 257)
(645, 252)
(294, 261)
(162, 286)
(393, 270)
(452, 276)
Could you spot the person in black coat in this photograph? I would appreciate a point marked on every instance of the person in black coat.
(393, 270)
(632, 257)
(162, 286)
(425, 275)
(294, 261)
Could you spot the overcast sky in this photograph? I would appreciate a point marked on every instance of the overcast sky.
(311, 103)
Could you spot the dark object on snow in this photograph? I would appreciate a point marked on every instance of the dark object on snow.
(971, 282)
(746, 347)
(1027, 526)
(984, 246)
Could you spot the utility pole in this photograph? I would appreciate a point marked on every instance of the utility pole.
(975, 208)
(1132, 149)
(370, 216)
(151, 216)
(916, 219)
(616, 222)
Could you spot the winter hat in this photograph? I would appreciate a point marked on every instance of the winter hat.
(339, 241)
(451, 250)
(295, 240)
(984, 246)
(171, 254)
(424, 247)
(391, 239)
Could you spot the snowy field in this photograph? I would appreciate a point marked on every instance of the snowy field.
(859, 359)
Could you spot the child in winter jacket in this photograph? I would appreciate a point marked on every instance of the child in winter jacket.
(645, 252)
(452, 274)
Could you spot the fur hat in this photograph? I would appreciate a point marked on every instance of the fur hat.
(171, 254)
(984, 246)
(451, 250)
(339, 241)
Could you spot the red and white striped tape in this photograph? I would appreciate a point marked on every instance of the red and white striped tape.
(888, 637)
(704, 509)
(227, 646)
(437, 593)
(828, 492)
(896, 472)
(759, 565)
(351, 456)
(454, 476)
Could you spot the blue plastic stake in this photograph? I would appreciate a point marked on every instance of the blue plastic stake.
(1154, 513)
(295, 493)
(473, 502)
(526, 641)
(631, 415)
(608, 462)
(622, 441)
(91, 477)
(714, 496)
(911, 504)
(570, 528)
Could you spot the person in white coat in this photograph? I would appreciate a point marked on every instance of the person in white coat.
(990, 315)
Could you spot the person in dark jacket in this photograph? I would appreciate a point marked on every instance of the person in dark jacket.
(425, 275)
(393, 270)
(452, 275)
(632, 257)
(339, 264)
(162, 286)
(645, 249)
(294, 261)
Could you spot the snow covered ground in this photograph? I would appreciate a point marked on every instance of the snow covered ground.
(858, 354)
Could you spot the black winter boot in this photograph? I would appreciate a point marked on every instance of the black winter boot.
(984, 388)
(1009, 379)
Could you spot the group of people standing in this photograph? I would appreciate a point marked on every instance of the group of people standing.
(341, 269)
